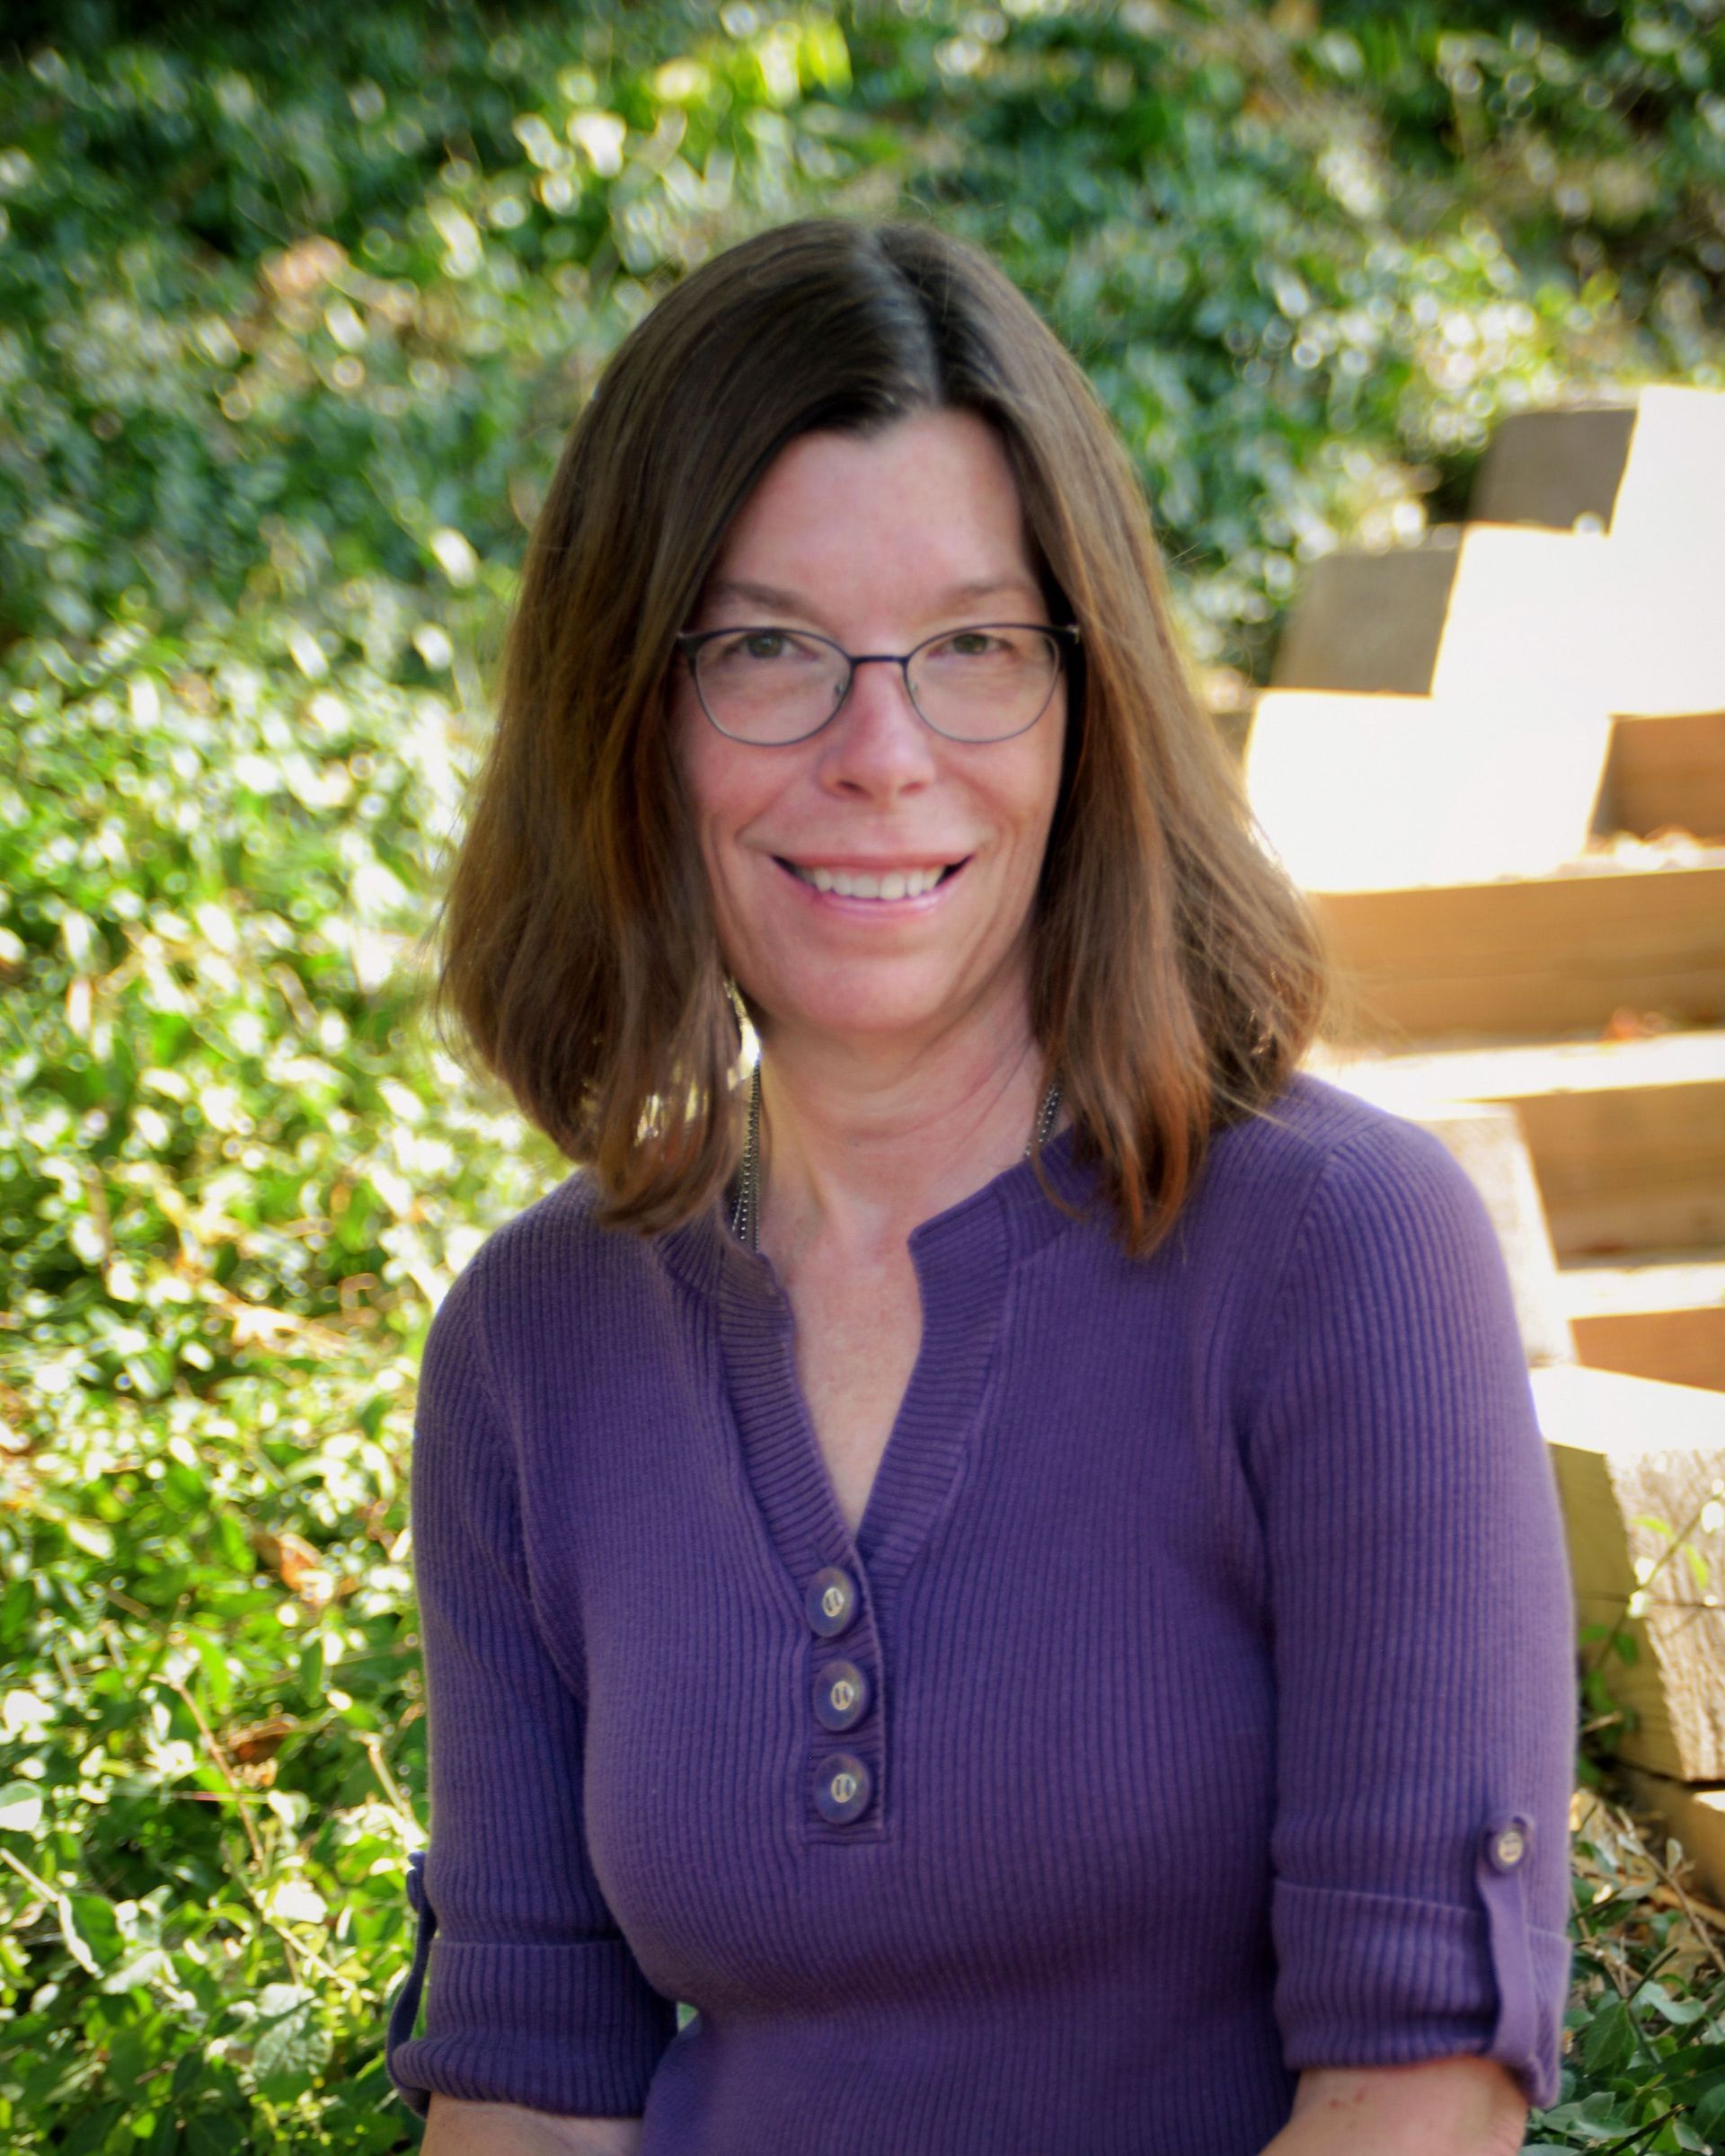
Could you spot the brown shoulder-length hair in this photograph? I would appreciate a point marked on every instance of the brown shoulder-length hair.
(1177, 974)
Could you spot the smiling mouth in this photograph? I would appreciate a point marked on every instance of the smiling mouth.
(858, 883)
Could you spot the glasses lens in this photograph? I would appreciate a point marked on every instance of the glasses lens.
(768, 684)
(982, 685)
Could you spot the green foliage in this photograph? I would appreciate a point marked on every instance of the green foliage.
(1646, 2065)
(294, 311)
(1309, 262)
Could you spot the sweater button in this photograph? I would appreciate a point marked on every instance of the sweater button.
(831, 1600)
(841, 1695)
(843, 1787)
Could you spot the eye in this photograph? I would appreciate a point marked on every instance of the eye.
(998, 650)
(759, 647)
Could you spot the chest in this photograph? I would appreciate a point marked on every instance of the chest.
(857, 1337)
(1016, 1470)
(1044, 1564)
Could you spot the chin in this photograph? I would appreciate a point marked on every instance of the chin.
(855, 1012)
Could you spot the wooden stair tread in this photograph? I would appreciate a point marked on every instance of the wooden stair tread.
(1628, 861)
(1655, 1280)
(1639, 1466)
(1606, 1412)
(1501, 895)
(1627, 1137)
(1517, 1070)
(1531, 958)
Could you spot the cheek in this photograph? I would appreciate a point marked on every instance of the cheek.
(724, 795)
(699, 754)
(693, 763)
(686, 723)
(1032, 805)
(1039, 787)
(1054, 765)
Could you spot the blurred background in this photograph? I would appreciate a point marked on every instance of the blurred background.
(295, 308)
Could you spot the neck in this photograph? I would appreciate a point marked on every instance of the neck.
(860, 1141)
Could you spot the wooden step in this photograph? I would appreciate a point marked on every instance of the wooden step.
(1615, 606)
(1660, 1315)
(1627, 1136)
(1694, 1814)
(1355, 792)
(1555, 468)
(1503, 614)
(1664, 772)
(1663, 635)
(1370, 623)
(1640, 1469)
(1648, 471)
(1527, 957)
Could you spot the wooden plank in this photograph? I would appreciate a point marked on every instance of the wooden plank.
(1646, 1286)
(1371, 622)
(1520, 606)
(1554, 467)
(1627, 1136)
(1637, 1168)
(1676, 1686)
(1669, 501)
(1530, 635)
(1694, 1817)
(1640, 1469)
(1478, 614)
(1665, 627)
(1666, 772)
(1522, 1071)
(1523, 959)
(1355, 792)
(1659, 1317)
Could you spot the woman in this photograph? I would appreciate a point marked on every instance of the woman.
(999, 1551)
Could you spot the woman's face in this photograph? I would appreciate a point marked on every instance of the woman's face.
(877, 543)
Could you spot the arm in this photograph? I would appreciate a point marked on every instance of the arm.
(1459, 2107)
(534, 1999)
(1422, 1632)
(455, 2129)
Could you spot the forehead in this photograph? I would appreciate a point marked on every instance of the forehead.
(933, 493)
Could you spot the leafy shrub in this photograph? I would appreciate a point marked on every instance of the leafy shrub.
(294, 311)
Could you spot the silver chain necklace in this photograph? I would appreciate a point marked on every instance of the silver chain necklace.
(745, 1214)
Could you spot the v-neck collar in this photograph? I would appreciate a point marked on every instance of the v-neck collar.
(964, 1258)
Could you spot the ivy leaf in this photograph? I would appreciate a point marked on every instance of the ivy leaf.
(1609, 2043)
(217, 2135)
(1681, 2010)
(292, 2043)
(1709, 2119)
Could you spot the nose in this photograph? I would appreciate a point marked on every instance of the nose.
(878, 743)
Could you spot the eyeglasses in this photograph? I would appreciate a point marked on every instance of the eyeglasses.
(771, 686)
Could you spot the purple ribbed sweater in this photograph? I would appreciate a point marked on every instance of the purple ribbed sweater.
(1205, 1707)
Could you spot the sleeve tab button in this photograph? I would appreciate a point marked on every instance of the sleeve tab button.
(1506, 1842)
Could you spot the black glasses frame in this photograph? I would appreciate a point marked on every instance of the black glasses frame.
(690, 640)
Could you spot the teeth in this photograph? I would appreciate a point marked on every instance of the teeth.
(897, 883)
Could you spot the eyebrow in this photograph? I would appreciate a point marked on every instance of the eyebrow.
(769, 594)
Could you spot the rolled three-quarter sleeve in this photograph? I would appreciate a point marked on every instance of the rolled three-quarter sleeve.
(534, 1997)
(1423, 1627)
